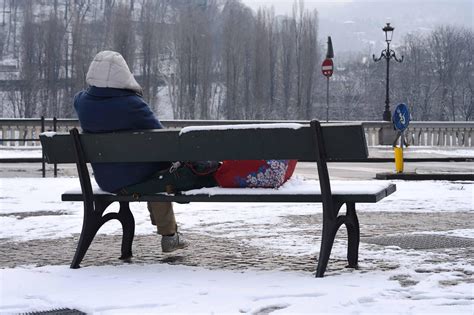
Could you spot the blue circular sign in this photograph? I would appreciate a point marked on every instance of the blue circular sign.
(401, 117)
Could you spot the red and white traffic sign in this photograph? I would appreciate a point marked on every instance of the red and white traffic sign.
(327, 67)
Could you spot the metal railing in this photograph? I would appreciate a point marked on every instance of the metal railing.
(24, 132)
(426, 133)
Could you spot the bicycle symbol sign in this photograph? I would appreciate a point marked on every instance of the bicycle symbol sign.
(401, 117)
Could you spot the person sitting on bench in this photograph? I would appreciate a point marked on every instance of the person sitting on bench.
(113, 102)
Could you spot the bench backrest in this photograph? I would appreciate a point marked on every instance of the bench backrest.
(311, 142)
(340, 142)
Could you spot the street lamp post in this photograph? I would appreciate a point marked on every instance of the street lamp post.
(387, 54)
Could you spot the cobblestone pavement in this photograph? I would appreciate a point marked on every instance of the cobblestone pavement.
(237, 253)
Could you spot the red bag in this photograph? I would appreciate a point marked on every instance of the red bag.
(254, 173)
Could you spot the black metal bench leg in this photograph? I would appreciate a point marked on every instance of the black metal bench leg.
(329, 233)
(90, 226)
(353, 235)
(93, 220)
(125, 217)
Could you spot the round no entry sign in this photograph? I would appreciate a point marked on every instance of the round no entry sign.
(327, 67)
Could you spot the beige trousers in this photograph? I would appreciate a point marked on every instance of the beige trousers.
(162, 215)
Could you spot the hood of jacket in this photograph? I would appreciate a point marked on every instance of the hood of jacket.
(110, 70)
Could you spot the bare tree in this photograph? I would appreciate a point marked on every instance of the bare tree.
(151, 30)
(262, 80)
(26, 99)
(123, 35)
(444, 44)
(11, 39)
(287, 65)
(465, 77)
(235, 16)
(434, 78)
(305, 41)
(187, 38)
(53, 32)
(80, 56)
(414, 82)
(194, 57)
(310, 58)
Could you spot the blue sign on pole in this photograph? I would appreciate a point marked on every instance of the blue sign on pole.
(401, 117)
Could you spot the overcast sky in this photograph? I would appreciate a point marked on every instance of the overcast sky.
(285, 6)
(357, 24)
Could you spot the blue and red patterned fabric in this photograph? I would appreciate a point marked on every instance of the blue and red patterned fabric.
(254, 173)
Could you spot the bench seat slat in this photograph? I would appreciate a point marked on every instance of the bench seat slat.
(310, 198)
(293, 191)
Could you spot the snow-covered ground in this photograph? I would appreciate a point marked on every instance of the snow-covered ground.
(13, 152)
(167, 289)
(423, 151)
(43, 194)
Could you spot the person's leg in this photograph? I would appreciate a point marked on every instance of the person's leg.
(181, 179)
(162, 215)
(186, 179)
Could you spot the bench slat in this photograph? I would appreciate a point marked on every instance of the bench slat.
(247, 195)
(342, 142)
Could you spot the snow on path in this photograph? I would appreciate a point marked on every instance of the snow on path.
(169, 289)
(421, 282)
(62, 219)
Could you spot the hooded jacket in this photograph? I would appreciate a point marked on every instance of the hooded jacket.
(111, 103)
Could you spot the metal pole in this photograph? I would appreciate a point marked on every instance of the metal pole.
(387, 116)
(43, 165)
(55, 165)
(327, 100)
(402, 137)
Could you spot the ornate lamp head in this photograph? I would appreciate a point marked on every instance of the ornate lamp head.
(388, 32)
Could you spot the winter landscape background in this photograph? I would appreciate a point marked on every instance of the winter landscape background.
(219, 59)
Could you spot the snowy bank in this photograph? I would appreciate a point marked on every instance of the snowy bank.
(168, 289)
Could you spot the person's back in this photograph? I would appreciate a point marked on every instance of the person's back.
(112, 103)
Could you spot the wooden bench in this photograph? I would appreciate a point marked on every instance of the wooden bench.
(311, 142)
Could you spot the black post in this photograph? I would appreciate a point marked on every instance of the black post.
(329, 55)
(387, 54)
(43, 164)
(327, 100)
(387, 115)
(54, 129)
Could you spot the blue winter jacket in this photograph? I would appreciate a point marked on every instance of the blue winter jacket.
(107, 110)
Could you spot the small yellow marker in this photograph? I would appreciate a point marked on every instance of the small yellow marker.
(398, 159)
